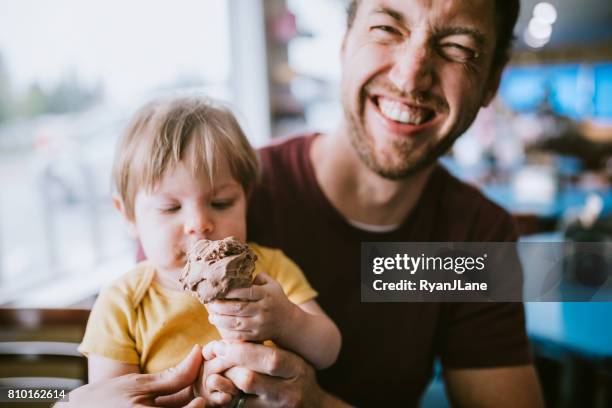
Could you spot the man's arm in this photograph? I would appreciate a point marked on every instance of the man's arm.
(494, 387)
(171, 387)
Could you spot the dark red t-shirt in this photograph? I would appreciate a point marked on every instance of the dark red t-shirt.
(387, 348)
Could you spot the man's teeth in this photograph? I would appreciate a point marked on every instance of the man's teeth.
(402, 113)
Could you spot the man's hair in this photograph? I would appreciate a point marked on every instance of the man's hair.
(192, 130)
(506, 15)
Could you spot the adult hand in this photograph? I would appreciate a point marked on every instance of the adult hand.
(171, 387)
(216, 389)
(273, 377)
(257, 313)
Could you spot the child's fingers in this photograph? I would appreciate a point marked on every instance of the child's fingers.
(217, 382)
(232, 322)
(220, 398)
(238, 335)
(207, 351)
(267, 283)
(215, 365)
(196, 403)
(231, 308)
(252, 293)
(262, 279)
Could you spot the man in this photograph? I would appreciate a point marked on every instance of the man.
(415, 74)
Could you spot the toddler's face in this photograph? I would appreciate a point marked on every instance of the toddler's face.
(183, 209)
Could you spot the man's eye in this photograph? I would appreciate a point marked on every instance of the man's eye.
(459, 53)
(222, 205)
(385, 31)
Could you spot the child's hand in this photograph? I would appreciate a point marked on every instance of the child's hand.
(258, 313)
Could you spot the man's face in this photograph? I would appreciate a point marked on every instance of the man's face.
(415, 74)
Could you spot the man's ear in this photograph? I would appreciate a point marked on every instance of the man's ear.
(131, 225)
(493, 84)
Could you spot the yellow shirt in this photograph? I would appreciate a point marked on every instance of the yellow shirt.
(137, 321)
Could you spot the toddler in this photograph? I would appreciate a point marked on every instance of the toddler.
(183, 171)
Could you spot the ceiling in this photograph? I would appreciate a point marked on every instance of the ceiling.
(579, 22)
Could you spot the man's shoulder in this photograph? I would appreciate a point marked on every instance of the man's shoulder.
(487, 220)
(285, 147)
(285, 166)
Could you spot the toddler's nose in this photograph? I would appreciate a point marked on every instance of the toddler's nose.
(199, 226)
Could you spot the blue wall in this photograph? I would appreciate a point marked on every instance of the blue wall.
(575, 90)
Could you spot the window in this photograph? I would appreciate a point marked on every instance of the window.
(71, 74)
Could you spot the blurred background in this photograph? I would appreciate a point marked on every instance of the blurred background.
(72, 73)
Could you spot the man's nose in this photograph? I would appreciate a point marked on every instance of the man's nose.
(199, 223)
(413, 68)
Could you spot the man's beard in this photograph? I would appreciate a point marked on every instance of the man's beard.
(399, 160)
(400, 157)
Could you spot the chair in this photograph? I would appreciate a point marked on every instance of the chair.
(38, 349)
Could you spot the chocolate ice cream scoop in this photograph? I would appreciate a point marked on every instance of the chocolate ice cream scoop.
(215, 267)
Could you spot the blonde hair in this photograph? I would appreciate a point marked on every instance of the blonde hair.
(194, 130)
